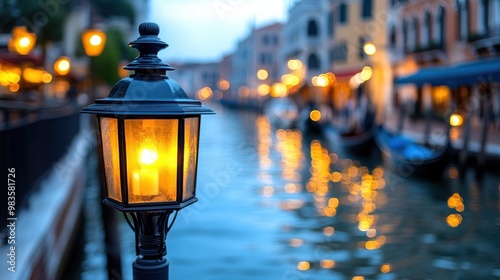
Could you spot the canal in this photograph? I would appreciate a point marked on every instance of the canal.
(276, 204)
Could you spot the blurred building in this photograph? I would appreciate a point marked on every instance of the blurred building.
(447, 54)
(259, 50)
(199, 80)
(358, 74)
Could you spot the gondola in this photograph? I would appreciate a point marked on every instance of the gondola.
(408, 158)
(358, 140)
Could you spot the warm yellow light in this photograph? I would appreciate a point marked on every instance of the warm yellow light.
(366, 73)
(263, 89)
(385, 268)
(262, 74)
(14, 87)
(204, 93)
(224, 85)
(294, 64)
(369, 49)
(296, 242)
(328, 231)
(278, 90)
(315, 115)
(327, 264)
(62, 66)
(145, 181)
(93, 41)
(454, 220)
(320, 81)
(290, 79)
(34, 76)
(46, 78)
(456, 120)
(22, 41)
(303, 266)
(148, 157)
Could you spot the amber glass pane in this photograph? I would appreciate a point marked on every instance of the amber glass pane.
(151, 148)
(109, 134)
(190, 156)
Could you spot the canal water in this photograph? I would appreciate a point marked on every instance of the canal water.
(277, 204)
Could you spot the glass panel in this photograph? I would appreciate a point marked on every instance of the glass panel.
(151, 147)
(190, 156)
(109, 134)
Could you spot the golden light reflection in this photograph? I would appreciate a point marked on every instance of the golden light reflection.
(315, 115)
(292, 188)
(296, 242)
(371, 233)
(303, 266)
(327, 264)
(204, 93)
(267, 191)
(358, 278)
(328, 231)
(456, 202)
(292, 204)
(385, 268)
(453, 173)
(454, 220)
(369, 48)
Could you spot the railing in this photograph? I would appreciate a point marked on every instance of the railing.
(32, 138)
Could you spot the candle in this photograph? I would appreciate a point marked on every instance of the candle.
(145, 180)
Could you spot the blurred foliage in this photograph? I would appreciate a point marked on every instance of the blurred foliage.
(47, 18)
(110, 8)
(104, 68)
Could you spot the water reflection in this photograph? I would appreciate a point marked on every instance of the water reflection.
(300, 210)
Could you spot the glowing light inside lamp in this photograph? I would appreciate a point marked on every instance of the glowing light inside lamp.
(145, 180)
(315, 115)
(24, 42)
(95, 40)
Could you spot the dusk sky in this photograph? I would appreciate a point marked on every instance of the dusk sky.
(205, 30)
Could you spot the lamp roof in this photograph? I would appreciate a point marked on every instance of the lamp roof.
(148, 91)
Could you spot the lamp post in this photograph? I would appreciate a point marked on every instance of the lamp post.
(22, 41)
(149, 131)
(93, 41)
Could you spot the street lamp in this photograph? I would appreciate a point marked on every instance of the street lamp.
(93, 41)
(149, 131)
(62, 66)
(22, 41)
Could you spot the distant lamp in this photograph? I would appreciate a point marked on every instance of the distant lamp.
(455, 120)
(62, 66)
(369, 48)
(93, 41)
(22, 41)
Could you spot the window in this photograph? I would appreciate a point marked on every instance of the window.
(416, 33)
(312, 28)
(339, 52)
(343, 13)
(463, 19)
(361, 52)
(367, 10)
(441, 26)
(392, 36)
(330, 21)
(266, 58)
(265, 40)
(405, 35)
(427, 30)
(313, 62)
(484, 15)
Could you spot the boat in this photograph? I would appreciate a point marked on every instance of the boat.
(354, 140)
(282, 113)
(408, 158)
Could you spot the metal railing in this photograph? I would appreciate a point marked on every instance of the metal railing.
(32, 138)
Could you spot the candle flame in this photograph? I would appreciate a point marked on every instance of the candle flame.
(148, 157)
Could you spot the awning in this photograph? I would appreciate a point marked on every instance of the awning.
(470, 73)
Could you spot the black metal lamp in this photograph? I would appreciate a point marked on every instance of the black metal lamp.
(149, 132)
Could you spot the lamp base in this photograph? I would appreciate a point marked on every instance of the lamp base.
(144, 269)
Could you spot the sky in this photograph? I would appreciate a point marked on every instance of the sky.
(206, 30)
